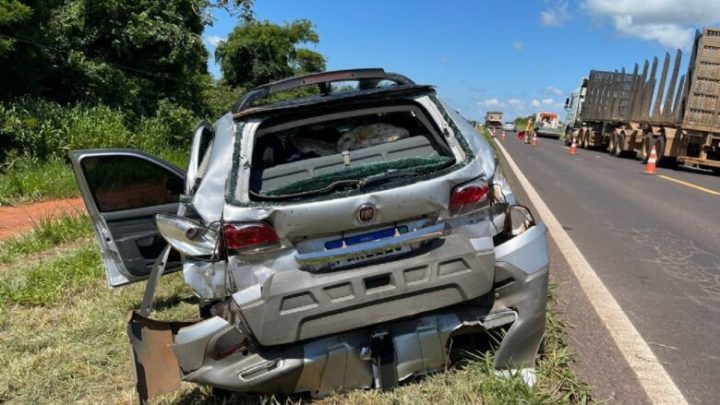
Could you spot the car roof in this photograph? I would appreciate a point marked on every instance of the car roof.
(367, 79)
(344, 97)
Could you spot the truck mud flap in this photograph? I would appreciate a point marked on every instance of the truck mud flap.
(155, 367)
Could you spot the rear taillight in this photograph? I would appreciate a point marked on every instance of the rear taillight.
(468, 197)
(249, 238)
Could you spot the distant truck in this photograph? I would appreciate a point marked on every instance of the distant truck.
(622, 112)
(548, 124)
(493, 119)
(573, 108)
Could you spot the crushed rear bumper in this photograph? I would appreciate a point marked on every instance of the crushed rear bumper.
(216, 352)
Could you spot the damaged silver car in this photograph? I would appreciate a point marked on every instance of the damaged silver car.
(345, 239)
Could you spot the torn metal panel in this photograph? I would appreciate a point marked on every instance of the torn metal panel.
(155, 367)
(209, 197)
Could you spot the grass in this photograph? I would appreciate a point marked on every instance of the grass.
(46, 234)
(28, 180)
(62, 339)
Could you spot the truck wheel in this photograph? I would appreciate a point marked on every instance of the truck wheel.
(611, 143)
(662, 160)
(618, 145)
(644, 153)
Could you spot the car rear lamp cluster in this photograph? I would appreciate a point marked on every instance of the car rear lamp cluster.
(249, 237)
(469, 197)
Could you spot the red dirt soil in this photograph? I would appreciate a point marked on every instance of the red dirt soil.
(15, 220)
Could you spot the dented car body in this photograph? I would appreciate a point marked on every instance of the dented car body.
(342, 240)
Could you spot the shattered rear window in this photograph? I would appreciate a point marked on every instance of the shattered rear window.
(344, 151)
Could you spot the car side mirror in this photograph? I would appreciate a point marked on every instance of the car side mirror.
(518, 219)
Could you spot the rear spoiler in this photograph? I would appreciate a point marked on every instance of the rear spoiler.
(368, 79)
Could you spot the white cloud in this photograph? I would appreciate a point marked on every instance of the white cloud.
(213, 40)
(555, 16)
(491, 103)
(553, 90)
(518, 46)
(671, 23)
(535, 103)
(548, 101)
(668, 35)
(516, 103)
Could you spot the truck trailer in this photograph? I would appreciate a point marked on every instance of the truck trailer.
(628, 113)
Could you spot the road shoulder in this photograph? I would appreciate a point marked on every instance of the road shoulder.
(598, 361)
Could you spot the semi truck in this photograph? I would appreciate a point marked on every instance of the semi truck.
(493, 119)
(573, 107)
(629, 113)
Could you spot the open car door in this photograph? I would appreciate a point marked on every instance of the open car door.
(123, 190)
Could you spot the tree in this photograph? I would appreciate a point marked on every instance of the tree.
(258, 52)
(113, 52)
(129, 54)
(12, 15)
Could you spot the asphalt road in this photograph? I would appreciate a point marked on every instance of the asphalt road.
(655, 243)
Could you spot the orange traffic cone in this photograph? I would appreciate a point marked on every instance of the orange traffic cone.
(534, 139)
(652, 160)
(503, 135)
(573, 147)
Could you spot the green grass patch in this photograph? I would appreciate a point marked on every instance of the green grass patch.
(46, 234)
(51, 282)
(27, 180)
(62, 340)
(72, 348)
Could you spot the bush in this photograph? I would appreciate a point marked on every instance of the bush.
(31, 127)
(35, 136)
(43, 130)
(171, 127)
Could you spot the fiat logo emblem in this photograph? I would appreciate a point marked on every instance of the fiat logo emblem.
(366, 213)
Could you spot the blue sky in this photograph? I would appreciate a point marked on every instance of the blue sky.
(517, 56)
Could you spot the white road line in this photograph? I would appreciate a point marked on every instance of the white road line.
(656, 382)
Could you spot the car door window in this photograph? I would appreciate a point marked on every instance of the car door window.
(127, 182)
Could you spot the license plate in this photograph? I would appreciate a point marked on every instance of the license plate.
(365, 237)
